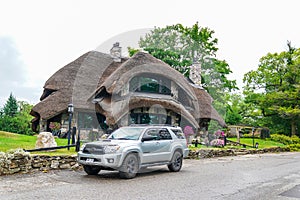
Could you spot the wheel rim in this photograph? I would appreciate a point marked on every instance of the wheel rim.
(131, 166)
(177, 161)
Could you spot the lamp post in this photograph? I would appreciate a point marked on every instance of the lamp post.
(70, 111)
(253, 137)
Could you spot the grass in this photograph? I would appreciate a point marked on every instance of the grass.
(262, 143)
(11, 141)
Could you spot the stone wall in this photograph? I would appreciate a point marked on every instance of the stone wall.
(210, 153)
(23, 162)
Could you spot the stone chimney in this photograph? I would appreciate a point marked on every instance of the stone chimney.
(195, 73)
(116, 52)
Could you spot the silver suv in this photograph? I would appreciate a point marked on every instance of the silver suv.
(128, 149)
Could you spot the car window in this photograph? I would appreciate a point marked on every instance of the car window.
(164, 134)
(126, 133)
(178, 133)
(152, 133)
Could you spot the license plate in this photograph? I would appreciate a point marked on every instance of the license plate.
(89, 160)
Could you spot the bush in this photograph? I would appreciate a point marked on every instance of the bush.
(20, 122)
(285, 139)
(15, 125)
(294, 147)
(217, 143)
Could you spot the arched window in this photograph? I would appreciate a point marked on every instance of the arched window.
(150, 84)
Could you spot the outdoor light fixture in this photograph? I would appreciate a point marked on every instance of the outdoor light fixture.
(70, 108)
(71, 111)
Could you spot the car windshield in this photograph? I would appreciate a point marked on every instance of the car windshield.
(126, 133)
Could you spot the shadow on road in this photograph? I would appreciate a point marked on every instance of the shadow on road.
(151, 171)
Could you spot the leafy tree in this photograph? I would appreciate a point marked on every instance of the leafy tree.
(233, 110)
(11, 106)
(180, 46)
(16, 120)
(275, 88)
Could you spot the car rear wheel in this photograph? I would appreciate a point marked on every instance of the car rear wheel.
(130, 166)
(91, 170)
(176, 162)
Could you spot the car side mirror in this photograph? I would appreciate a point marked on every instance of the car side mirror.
(148, 138)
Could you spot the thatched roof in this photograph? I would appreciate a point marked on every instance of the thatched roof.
(207, 111)
(75, 82)
(94, 73)
(143, 63)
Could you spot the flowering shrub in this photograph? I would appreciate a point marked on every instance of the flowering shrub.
(219, 134)
(217, 143)
(188, 130)
(54, 126)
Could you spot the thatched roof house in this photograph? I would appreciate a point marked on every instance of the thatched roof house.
(110, 92)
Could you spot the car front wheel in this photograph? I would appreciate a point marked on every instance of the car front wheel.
(91, 170)
(176, 162)
(130, 166)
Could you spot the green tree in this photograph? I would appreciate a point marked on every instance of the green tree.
(233, 109)
(16, 120)
(11, 106)
(180, 46)
(274, 88)
(24, 118)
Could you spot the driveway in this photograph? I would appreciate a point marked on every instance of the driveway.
(265, 176)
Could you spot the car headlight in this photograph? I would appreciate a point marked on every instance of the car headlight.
(82, 147)
(111, 148)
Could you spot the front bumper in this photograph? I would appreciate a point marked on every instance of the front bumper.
(186, 152)
(105, 160)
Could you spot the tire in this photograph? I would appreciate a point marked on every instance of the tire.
(130, 166)
(91, 170)
(176, 162)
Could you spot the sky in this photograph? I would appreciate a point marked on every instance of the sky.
(39, 37)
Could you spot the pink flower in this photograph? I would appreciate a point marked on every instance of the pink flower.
(188, 130)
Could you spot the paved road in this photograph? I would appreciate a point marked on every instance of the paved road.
(267, 176)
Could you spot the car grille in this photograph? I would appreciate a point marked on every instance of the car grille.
(93, 149)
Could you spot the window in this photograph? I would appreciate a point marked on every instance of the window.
(149, 118)
(152, 133)
(158, 134)
(164, 134)
(178, 133)
(150, 84)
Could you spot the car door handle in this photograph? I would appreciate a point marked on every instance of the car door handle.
(157, 143)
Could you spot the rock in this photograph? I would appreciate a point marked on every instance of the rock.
(44, 140)
(76, 166)
(65, 166)
(54, 164)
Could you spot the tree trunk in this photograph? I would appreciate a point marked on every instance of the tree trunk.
(293, 126)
